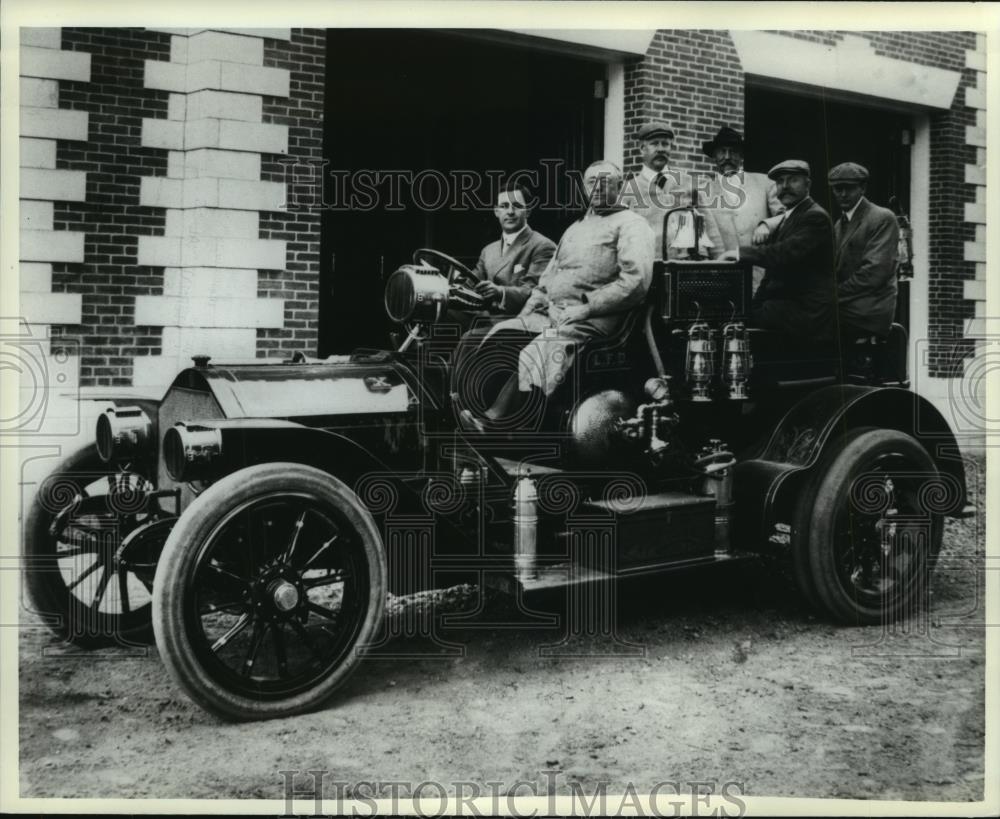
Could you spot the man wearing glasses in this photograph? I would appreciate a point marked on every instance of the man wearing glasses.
(508, 269)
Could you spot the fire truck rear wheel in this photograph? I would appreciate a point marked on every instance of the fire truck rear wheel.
(867, 530)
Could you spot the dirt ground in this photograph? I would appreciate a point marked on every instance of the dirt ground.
(718, 676)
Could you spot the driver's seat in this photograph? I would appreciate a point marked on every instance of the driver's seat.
(598, 363)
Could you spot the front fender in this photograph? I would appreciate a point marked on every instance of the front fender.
(410, 504)
(250, 441)
(767, 485)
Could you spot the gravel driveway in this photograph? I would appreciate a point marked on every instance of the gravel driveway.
(718, 676)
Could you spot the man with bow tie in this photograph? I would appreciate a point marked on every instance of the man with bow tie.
(798, 294)
(657, 188)
(508, 269)
(739, 200)
(866, 241)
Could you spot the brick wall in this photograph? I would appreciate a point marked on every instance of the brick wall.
(949, 233)
(691, 79)
(111, 218)
(299, 225)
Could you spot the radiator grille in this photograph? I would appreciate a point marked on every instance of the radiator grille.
(711, 292)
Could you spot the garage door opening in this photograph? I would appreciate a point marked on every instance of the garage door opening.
(409, 116)
(784, 124)
(824, 132)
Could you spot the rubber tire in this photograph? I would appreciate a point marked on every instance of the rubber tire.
(179, 558)
(46, 587)
(813, 551)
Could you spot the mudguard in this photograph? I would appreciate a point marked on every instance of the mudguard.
(249, 441)
(766, 486)
(391, 494)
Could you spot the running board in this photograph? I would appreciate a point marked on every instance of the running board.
(565, 575)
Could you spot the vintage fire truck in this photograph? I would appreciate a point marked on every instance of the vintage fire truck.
(251, 519)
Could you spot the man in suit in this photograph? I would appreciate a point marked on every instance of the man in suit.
(602, 267)
(798, 293)
(739, 200)
(866, 240)
(657, 188)
(508, 269)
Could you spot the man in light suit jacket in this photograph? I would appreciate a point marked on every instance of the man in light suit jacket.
(798, 294)
(509, 268)
(866, 241)
(738, 200)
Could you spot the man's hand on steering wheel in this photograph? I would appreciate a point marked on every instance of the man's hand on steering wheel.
(462, 298)
(490, 292)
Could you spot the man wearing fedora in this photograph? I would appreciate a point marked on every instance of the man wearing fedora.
(739, 199)
(657, 188)
(866, 241)
(798, 294)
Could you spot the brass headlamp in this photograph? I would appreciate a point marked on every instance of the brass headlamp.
(416, 292)
(189, 450)
(123, 433)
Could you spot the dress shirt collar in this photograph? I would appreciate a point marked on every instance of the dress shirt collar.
(849, 214)
(648, 174)
(793, 207)
(738, 174)
(507, 239)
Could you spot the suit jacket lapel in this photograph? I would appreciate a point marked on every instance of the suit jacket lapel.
(789, 220)
(852, 225)
(507, 259)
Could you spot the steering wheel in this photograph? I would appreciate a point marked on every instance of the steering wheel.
(453, 269)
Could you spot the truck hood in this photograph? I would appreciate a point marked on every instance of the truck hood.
(303, 390)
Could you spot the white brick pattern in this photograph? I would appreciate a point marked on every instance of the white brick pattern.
(42, 122)
(213, 193)
(975, 212)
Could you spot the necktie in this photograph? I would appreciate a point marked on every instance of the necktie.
(842, 224)
(661, 180)
(779, 226)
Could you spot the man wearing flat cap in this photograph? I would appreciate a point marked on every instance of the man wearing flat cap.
(739, 199)
(657, 188)
(866, 241)
(798, 293)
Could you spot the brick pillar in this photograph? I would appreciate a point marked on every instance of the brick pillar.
(693, 80)
(214, 196)
(984, 331)
(975, 174)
